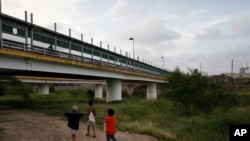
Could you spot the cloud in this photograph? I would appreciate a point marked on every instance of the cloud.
(241, 24)
(121, 10)
(181, 11)
(211, 33)
(152, 30)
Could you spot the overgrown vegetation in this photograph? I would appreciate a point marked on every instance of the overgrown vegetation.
(193, 92)
(12, 86)
(206, 117)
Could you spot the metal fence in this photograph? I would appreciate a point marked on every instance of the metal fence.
(26, 36)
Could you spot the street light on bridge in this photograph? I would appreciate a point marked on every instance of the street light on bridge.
(163, 63)
(133, 47)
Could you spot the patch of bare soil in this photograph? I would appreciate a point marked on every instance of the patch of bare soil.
(24, 125)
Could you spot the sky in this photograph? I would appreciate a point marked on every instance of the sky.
(208, 35)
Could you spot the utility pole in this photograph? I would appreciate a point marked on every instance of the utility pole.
(200, 67)
(232, 69)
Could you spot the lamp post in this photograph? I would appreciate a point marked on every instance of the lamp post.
(163, 63)
(133, 47)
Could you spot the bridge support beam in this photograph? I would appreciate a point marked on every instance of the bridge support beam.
(130, 89)
(43, 89)
(98, 90)
(114, 90)
(151, 91)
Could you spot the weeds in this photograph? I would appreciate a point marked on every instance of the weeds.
(135, 114)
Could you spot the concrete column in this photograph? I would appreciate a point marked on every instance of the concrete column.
(130, 89)
(43, 89)
(114, 90)
(151, 91)
(98, 90)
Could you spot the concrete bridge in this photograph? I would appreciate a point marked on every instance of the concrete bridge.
(31, 50)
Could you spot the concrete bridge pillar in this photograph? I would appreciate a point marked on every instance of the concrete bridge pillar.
(130, 89)
(114, 90)
(151, 91)
(98, 90)
(43, 89)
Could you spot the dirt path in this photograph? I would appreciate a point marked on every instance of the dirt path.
(24, 125)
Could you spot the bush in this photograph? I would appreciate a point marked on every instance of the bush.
(52, 88)
(4, 82)
(243, 100)
(91, 94)
(216, 96)
(16, 87)
(192, 91)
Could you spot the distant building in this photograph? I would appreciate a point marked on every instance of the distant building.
(227, 77)
(221, 78)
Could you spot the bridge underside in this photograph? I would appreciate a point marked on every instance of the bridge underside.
(19, 63)
(47, 74)
(114, 86)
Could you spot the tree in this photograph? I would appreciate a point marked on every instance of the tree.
(194, 91)
(12, 86)
(4, 82)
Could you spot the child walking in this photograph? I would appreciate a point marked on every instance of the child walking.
(91, 112)
(110, 122)
(73, 120)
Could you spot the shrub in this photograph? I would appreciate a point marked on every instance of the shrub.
(4, 82)
(192, 91)
(91, 94)
(16, 87)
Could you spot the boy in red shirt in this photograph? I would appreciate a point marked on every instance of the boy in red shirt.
(110, 122)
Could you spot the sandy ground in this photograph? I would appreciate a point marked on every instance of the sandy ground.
(24, 125)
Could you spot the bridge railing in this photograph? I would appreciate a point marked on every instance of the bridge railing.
(24, 31)
(49, 52)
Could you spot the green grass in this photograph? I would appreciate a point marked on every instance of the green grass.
(244, 93)
(137, 115)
